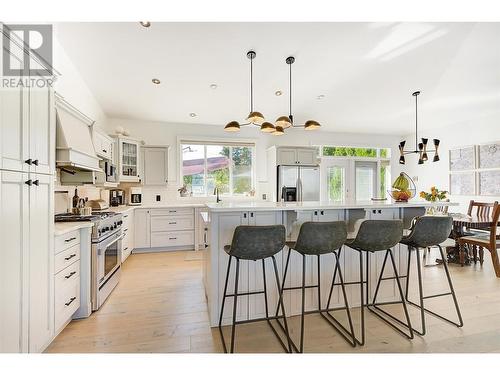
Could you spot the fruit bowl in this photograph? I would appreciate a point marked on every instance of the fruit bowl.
(402, 196)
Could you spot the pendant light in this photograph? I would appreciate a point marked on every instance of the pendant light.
(284, 122)
(420, 148)
(254, 117)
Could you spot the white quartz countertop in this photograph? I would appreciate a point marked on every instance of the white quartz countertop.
(63, 228)
(121, 209)
(298, 206)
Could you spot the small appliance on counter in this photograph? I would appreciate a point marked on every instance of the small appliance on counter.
(116, 197)
(98, 204)
(109, 171)
(134, 196)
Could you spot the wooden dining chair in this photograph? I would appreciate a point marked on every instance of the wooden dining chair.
(487, 240)
(481, 210)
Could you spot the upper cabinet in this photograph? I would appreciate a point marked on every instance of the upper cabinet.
(103, 144)
(27, 128)
(296, 156)
(128, 160)
(155, 165)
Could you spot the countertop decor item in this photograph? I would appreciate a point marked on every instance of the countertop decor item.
(403, 188)
(183, 191)
(420, 148)
(434, 195)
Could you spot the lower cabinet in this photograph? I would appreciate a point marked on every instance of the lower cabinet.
(26, 262)
(164, 228)
(128, 240)
(66, 278)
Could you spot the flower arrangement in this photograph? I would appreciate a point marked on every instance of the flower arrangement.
(434, 195)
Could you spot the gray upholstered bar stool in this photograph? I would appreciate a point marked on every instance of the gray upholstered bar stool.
(374, 236)
(255, 243)
(316, 239)
(429, 231)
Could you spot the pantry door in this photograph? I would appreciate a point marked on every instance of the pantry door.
(335, 180)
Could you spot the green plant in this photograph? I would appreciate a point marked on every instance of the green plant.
(434, 195)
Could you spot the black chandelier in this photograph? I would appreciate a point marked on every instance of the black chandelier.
(420, 148)
(257, 119)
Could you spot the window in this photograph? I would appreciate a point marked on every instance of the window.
(363, 152)
(228, 167)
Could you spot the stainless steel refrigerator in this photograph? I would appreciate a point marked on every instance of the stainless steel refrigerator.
(305, 180)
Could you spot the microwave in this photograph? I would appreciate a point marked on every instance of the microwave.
(109, 171)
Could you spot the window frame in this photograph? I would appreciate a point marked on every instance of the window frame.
(218, 142)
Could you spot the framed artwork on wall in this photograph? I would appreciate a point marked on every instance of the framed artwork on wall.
(489, 182)
(489, 155)
(463, 183)
(462, 159)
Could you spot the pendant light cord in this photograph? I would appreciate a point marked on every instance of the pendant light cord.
(290, 96)
(251, 85)
(416, 122)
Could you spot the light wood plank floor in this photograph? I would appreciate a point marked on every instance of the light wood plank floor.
(159, 307)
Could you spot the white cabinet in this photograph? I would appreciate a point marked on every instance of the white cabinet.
(296, 156)
(128, 160)
(128, 241)
(155, 165)
(27, 130)
(103, 144)
(142, 228)
(26, 291)
(167, 228)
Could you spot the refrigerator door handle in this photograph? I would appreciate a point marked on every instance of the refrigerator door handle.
(299, 189)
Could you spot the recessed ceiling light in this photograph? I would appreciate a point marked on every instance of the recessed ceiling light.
(213, 86)
(145, 23)
(278, 93)
(156, 81)
(192, 114)
(319, 97)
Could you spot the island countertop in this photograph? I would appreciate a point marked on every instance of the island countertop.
(318, 205)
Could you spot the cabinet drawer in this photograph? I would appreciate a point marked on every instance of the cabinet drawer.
(67, 301)
(66, 258)
(167, 239)
(171, 223)
(65, 278)
(66, 240)
(172, 211)
(125, 241)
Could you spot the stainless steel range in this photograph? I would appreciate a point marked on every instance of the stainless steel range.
(106, 252)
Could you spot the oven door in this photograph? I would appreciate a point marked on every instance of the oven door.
(108, 257)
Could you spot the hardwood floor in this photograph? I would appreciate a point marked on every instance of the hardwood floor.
(159, 307)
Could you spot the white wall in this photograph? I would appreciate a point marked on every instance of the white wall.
(481, 130)
(159, 133)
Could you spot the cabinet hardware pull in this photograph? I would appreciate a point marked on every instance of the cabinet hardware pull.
(29, 161)
(70, 274)
(173, 222)
(71, 256)
(29, 182)
(70, 301)
(244, 215)
(172, 211)
(172, 238)
(35, 162)
(322, 212)
(36, 182)
(374, 211)
(206, 246)
(251, 214)
(70, 239)
(125, 249)
(125, 216)
(315, 213)
(379, 211)
(105, 151)
(126, 229)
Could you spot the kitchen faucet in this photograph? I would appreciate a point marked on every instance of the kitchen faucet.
(216, 192)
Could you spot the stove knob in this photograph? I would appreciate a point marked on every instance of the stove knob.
(115, 225)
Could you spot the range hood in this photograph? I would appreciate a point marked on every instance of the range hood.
(74, 147)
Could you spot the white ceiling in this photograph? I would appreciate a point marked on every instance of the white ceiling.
(367, 71)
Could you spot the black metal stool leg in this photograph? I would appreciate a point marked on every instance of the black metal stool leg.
(420, 292)
(450, 283)
(375, 309)
(301, 350)
(333, 284)
(280, 303)
(235, 304)
(223, 302)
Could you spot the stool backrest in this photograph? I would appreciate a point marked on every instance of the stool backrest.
(376, 235)
(321, 237)
(482, 209)
(257, 242)
(430, 230)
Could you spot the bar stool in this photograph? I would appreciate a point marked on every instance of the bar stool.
(254, 243)
(374, 236)
(429, 231)
(316, 239)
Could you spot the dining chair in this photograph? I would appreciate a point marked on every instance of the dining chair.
(482, 210)
(486, 240)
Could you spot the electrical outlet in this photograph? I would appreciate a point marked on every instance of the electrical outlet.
(158, 197)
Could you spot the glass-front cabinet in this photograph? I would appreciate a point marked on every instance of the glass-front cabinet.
(128, 160)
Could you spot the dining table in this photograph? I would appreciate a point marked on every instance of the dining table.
(462, 226)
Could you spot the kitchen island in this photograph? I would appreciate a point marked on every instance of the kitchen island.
(220, 220)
